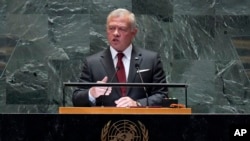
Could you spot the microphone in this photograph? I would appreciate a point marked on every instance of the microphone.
(116, 70)
(137, 66)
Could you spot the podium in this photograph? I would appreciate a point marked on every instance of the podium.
(124, 111)
(128, 110)
(174, 85)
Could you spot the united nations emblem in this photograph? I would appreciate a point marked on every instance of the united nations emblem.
(124, 130)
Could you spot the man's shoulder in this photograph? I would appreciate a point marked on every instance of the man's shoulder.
(96, 55)
(147, 51)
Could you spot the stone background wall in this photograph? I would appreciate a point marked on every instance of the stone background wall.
(204, 43)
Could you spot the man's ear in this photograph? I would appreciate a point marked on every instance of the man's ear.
(134, 31)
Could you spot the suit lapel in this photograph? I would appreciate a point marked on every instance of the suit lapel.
(132, 70)
(107, 62)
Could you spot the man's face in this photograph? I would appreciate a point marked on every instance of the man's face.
(120, 33)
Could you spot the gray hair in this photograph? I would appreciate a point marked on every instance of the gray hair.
(122, 12)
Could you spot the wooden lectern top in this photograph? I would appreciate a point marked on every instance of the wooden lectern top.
(124, 111)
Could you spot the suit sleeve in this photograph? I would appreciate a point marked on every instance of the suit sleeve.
(80, 96)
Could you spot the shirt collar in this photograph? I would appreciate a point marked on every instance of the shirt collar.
(126, 52)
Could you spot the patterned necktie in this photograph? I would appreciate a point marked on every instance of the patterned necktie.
(121, 73)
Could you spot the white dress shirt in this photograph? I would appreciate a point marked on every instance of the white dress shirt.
(126, 62)
(126, 58)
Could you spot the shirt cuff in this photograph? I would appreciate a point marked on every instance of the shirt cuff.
(91, 98)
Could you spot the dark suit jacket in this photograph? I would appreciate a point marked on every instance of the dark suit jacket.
(99, 65)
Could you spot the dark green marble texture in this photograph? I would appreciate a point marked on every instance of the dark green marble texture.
(204, 43)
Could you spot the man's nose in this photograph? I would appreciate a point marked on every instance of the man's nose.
(116, 32)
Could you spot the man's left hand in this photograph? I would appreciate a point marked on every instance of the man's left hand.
(125, 102)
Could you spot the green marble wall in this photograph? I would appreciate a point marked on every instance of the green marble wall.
(204, 43)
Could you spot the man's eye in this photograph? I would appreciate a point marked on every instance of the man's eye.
(111, 28)
(123, 29)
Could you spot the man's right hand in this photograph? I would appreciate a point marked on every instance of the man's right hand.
(98, 91)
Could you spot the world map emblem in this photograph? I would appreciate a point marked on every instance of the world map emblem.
(124, 130)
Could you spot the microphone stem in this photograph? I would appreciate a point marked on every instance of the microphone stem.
(116, 69)
(104, 96)
(144, 86)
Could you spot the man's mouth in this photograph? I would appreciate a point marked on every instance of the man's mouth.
(115, 40)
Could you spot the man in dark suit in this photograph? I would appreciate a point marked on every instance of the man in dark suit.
(107, 66)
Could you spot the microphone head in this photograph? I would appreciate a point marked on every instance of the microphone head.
(136, 62)
(137, 65)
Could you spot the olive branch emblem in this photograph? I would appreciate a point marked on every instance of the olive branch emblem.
(144, 131)
(105, 130)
